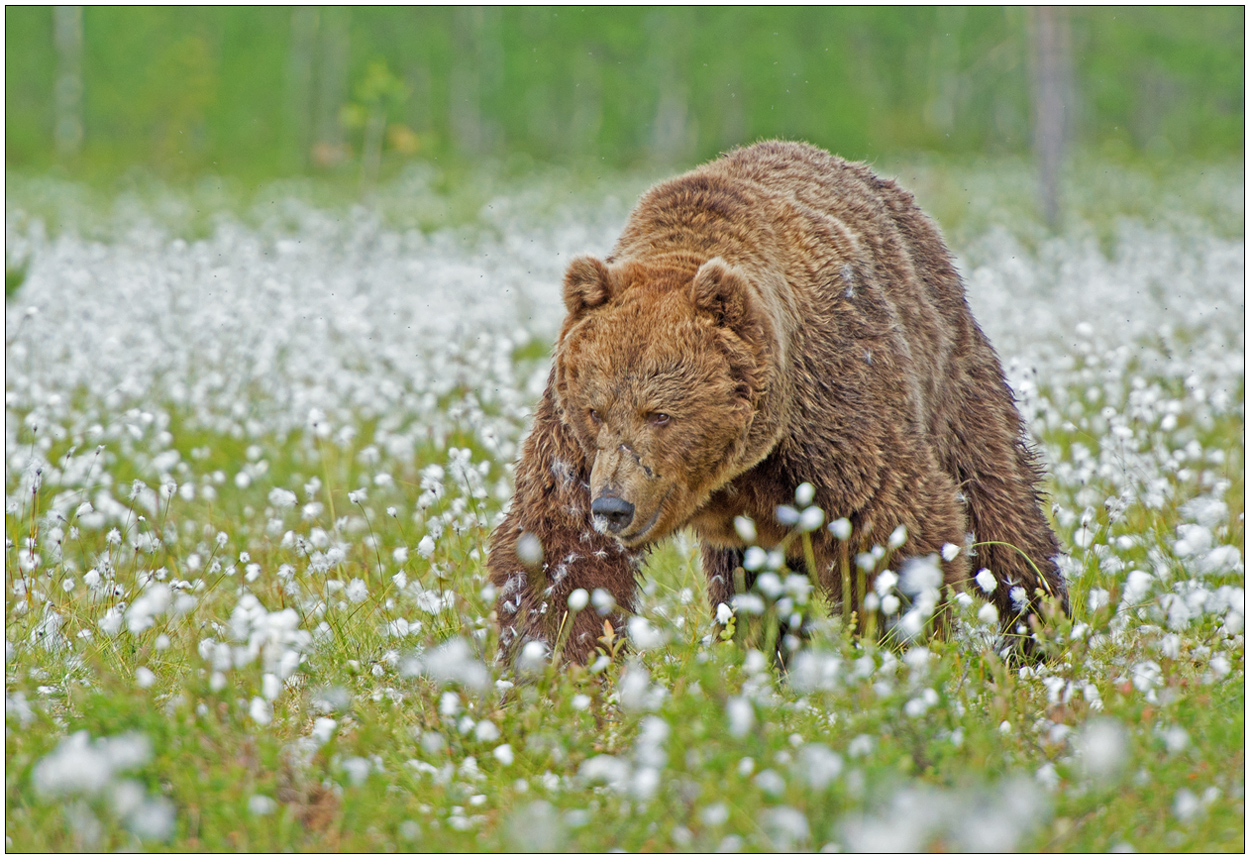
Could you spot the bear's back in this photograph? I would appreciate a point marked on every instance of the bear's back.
(800, 209)
(864, 275)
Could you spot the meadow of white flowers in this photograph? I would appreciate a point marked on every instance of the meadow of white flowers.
(284, 438)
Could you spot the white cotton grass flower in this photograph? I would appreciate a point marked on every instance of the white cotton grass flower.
(985, 581)
(80, 765)
(529, 550)
(818, 766)
(612, 771)
(1098, 598)
(885, 582)
(356, 591)
(949, 552)
(745, 529)
(644, 635)
(603, 601)
(533, 657)
(751, 603)
(261, 711)
(1102, 748)
(635, 690)
(448, 706)
(454, 662)
(911, 624)
(323, 729)
(111, 622)
(425, 548)
(1019, 599)
(434, 602)
(741, 716)
(770, 782)
(755, 662)
(786, 827)
(714, 815)
(260, 805)
(810, 519)
(841, 528)
(897, 537)
(770, 585)
(142, 613)
(486, 731)
(1137, 587)
(787, 515)
(578, 599)
(992, 818)
(812, 670)
(1175, 739)
(920, 575)
(804, 494)
(282, 498)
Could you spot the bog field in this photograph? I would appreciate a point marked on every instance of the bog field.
(255, 442)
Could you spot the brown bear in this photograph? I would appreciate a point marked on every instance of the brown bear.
(778, 316)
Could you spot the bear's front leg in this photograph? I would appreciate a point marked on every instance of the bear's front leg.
(546, 548)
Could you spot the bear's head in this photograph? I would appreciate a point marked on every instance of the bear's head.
(661, 373)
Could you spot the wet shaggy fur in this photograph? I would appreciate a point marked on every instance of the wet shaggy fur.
(775, 317)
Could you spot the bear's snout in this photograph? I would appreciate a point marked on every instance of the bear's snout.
(613, 511)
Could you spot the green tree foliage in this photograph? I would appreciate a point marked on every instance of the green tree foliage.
(187, 90)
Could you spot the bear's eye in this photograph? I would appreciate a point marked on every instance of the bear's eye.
(660, 418)
(594, 417)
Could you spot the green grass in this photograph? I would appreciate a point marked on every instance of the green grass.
(1133, 736)
(364, 790)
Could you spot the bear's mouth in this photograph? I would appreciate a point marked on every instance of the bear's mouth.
(639, 536)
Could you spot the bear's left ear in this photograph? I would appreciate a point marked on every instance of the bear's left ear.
(724, 293)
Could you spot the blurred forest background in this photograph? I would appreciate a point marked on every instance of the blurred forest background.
(257, 93)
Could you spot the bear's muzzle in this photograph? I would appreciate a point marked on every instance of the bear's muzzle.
(612, 513)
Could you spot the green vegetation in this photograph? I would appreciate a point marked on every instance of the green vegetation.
(274, 325)
(262, 92)
(689, 746)
(245, 600)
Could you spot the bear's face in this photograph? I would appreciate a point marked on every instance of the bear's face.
(659, 384)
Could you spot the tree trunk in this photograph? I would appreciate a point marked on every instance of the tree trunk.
(67, 98)
(328, 148)
(1052, 98)
(304, 22)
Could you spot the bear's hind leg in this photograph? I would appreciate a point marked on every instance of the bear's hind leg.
(989, 455)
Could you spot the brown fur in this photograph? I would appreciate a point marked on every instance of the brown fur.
(774, 317)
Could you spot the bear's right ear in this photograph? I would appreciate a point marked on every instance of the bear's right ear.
(587, 284)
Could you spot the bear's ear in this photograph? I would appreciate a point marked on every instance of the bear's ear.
(587, 284)
(721, 291)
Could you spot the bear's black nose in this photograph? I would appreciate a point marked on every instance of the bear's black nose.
(617, 511)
